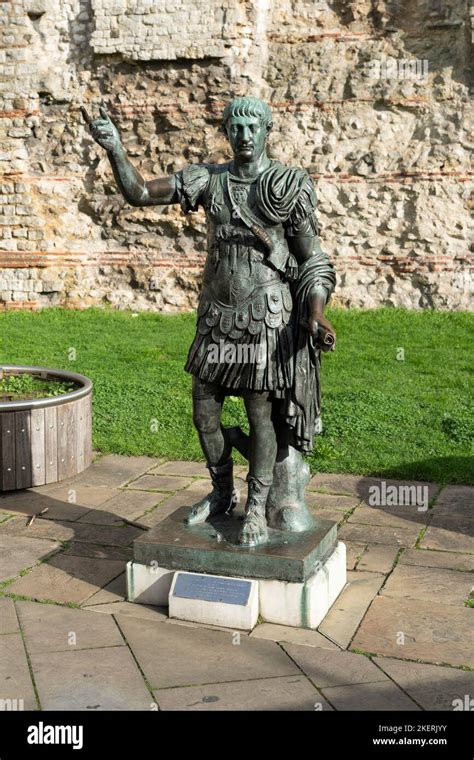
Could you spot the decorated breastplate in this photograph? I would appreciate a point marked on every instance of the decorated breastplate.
(239, 194)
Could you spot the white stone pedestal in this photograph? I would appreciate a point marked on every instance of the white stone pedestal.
(148, 584)
(304, 605)
(219, 600)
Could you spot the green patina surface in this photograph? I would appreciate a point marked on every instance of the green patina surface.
(210, 547)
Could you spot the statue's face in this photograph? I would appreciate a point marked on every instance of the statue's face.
(247, 136)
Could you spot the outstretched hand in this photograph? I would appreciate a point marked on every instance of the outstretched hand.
(103, 130)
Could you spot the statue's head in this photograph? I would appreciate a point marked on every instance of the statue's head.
(247, 123)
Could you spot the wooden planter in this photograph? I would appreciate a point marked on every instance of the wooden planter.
(45, 440)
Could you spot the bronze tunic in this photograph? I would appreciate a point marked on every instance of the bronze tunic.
(244, 335)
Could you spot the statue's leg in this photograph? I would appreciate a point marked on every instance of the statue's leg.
(207, 409)
(262, 455)
(286, 504)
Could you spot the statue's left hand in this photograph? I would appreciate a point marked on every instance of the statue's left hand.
(323, 331)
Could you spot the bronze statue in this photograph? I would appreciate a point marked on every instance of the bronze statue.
(260, 318)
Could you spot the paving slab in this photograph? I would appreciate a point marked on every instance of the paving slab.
(126, 504)
(290, 693)
(181, 656)
(395, 517)
(345, 485)
(455, 500)
(451, 538)
(105, 535)
(456, 522)
(95, 551)
(18, 501)
(374, 534)
(141, 611)
(427, 558)
(191, 469)
(40, 528)
(330, 501)
(115, 591)
(433, 687)
(30, 502)
(114, 471)
(343, 619)
(370, 697)
(185, 498)
(210, 626)
(378, 558)
(432, 632)
(15, 679)
(8, 617)
(165, 483)
(68, 531)
(19, 552)
(59, 510)
(328, 668)
(292, 635)
(169, 483)
(328, 514)
(50, 628)
(90, 679)
(354, 552)
(101, 517)
(71, 501)
(426, 583)
(67, 579)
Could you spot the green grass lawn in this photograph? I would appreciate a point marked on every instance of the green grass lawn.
(381, 416)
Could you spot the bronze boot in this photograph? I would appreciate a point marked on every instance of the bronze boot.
(254, 530)
(221, 499)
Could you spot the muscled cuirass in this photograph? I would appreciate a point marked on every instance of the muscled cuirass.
(241, 285)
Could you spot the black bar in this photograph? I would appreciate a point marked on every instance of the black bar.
(130, 734)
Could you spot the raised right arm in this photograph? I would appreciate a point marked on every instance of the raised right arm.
(136, 190)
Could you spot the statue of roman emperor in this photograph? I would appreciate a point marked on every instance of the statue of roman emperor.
(260, 317)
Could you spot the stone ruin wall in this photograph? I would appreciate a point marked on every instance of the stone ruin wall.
(389, 153)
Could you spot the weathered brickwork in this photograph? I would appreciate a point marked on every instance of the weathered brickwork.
(371, 97)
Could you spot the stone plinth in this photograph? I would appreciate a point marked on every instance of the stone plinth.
(292, 580)
(211, 547)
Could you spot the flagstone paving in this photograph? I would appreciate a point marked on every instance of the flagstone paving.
(20, 552)
(15, 679)
(344, 617)
(378, 558)
(8, 617)
(290, 693)
(399, 637)
(431, 686)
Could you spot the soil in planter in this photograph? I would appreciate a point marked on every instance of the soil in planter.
(27, 387)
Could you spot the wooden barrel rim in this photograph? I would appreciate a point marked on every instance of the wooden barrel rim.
(41, 403)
